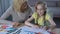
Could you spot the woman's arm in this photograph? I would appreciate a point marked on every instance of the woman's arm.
(27, 22)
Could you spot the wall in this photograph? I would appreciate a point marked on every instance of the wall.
(4, 4)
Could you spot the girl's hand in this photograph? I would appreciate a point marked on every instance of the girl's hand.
(36, 26)
(49, 30)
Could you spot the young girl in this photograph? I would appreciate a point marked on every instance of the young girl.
(40, 16)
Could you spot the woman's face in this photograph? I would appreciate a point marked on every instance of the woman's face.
(40, 10)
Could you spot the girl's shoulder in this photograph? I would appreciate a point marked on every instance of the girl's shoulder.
(47, 17)
(34, 15)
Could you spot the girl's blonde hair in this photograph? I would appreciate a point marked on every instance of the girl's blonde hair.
(17, 4)
(43, 4)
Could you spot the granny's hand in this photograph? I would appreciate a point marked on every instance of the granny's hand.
(16, 24)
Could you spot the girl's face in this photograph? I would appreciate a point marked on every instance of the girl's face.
(40, 9)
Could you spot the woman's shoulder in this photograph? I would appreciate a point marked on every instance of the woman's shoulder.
(10, 8)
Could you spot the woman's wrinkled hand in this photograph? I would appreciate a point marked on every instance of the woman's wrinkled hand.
(16, 24)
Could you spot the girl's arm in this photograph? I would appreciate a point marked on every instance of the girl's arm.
(52, 22)
(52, 26)
(27, 22)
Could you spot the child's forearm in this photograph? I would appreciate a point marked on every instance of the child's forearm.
(51, 28)
(28, 24)
(53, 25)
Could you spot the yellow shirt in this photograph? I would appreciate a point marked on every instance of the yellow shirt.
(40, 20)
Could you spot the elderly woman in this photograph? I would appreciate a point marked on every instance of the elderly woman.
(20, 11)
